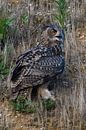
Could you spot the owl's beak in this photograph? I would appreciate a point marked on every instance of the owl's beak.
(60, 36)
(57, 39)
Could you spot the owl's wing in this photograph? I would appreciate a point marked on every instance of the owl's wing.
(26, 60)
(45, 69)
(37, 64)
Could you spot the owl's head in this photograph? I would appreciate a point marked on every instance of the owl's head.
(53, 33)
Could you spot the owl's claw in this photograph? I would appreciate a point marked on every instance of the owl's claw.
(45, 94)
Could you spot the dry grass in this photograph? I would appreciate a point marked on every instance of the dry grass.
(70, 111)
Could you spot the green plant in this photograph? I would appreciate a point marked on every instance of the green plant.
(23, 105)
(24, 19)
(49, 104)
(61, 15)
(4, 23)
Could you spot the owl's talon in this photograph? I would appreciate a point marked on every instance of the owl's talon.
(45, 94)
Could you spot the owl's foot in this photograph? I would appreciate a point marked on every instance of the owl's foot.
(44, 93)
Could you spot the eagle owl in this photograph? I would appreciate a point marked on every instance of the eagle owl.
(39, 65)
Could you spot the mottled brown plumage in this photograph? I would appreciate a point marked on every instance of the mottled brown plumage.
(40, 64)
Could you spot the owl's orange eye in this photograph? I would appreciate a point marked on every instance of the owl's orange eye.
(52, 32)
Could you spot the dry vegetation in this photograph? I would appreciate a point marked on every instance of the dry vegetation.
(26, 20)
